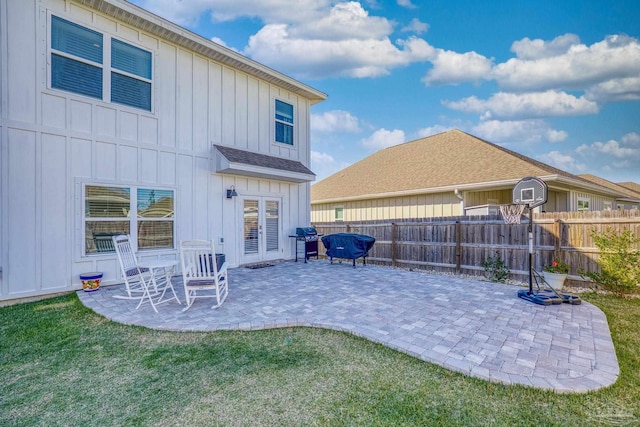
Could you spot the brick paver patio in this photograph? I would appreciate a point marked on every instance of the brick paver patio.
(478, 328)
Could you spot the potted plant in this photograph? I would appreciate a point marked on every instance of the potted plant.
(556, 273)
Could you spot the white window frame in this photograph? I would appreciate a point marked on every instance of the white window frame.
(293, 125)
(582, 199)
(106, 65)
(607, 205)
(132, 216)
(335, 213)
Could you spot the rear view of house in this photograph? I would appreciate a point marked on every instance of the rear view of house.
(113, 120)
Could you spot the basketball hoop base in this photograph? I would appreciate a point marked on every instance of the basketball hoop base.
(544, 294)
(544, 297)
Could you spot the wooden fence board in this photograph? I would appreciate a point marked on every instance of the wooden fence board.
(463, 243)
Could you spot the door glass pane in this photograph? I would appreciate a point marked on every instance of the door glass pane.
(272, 218)
(251, 227)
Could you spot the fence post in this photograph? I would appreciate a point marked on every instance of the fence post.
(458, 246)
(558, 238)
(394, 237)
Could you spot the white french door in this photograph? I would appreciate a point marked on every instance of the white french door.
(261, 229)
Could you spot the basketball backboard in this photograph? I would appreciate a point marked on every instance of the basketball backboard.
(530, 191)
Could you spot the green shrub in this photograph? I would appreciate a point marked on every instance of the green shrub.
(496, 269)
(619, 261)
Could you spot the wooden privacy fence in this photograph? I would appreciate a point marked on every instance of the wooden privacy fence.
(463, 244)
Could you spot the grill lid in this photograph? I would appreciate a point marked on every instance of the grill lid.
(306, 231)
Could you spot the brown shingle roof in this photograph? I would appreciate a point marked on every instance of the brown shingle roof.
(612, 185)
(448, 159)
(633, 186)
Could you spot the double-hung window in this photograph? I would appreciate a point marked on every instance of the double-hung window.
(147, 214)
(284, 122)
(89, 63)
(76, 58)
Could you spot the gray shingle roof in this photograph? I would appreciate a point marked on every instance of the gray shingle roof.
(236, 155)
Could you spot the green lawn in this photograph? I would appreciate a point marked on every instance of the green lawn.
(61, 364)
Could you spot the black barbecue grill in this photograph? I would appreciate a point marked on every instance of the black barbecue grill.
(307, 239)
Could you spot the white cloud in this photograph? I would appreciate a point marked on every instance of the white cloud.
(556, 135)
(632, 139)
(322, 58)
(335, 121)
(537, 48)
(612, 148)
(616, 157)
(432, 130)
(383, 138)
(452, 68)
(627, 89)
(615, 57)
(518, 130)
(407, 4)
(324, 164)
(310, 38)
(503, 105)
(345, 21)
(415, 26)
(564, 162)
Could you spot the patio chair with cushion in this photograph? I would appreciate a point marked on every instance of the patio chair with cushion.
(201, 276)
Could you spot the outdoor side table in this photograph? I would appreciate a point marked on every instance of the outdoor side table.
(160, 281)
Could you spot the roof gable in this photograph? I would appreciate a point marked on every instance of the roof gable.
(452, 158)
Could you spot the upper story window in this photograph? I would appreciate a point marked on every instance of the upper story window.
(284, 122)
(89, 63)
(338, 214)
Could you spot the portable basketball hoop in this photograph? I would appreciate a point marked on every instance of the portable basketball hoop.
(531, 192)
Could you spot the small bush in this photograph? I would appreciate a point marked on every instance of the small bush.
(495, 269)
(619, 261)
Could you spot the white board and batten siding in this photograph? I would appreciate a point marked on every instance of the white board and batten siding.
(54, 142)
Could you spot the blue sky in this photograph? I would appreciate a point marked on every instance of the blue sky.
(558, 81)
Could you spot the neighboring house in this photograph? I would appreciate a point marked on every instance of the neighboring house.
(113, 120)
(631, 200)
(449, 174)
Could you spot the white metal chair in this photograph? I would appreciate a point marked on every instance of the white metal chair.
(200, 275)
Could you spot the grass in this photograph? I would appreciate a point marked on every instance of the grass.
(61, 364)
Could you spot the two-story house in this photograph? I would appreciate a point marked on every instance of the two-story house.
(114, 120)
